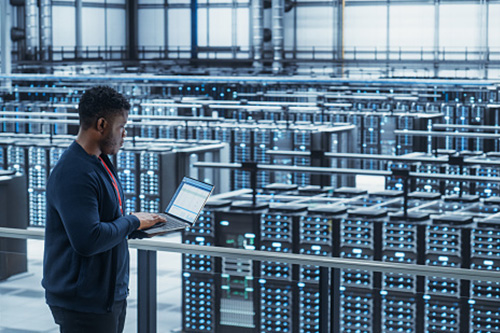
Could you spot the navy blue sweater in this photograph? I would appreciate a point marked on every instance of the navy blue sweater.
(86, 259)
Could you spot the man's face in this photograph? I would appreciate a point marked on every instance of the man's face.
(114, 133)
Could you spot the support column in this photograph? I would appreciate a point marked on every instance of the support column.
(165, 28)
(5, 42)
(388, 38)
(436, 38)
(194, 29)
(78, 29)
(485, 38)
(340, 36)
(133, 29)
(234, 29)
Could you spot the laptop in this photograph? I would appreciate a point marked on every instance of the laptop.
(184, 207)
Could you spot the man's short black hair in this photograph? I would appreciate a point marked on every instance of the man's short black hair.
(100, 101)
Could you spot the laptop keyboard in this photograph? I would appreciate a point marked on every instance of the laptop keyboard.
(168, 224)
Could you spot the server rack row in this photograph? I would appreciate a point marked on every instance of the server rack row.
(273, 296)
(148, 172)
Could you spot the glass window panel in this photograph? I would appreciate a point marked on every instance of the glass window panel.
(151, 27)
(220, 27)
(316, 27)
(116, 27)
(93, 26)
(242, 27)
(459, 26)
(411, 26)
(179, 28)
(150, 2)
(494, 26)
(365, 26)
(203, 29)
(63, 32)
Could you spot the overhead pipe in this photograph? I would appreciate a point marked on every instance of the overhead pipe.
(31, 28)
(46, 29)
(278, 12)
(258, 32)
(5, 43)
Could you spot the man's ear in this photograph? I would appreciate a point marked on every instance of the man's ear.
(101, 124)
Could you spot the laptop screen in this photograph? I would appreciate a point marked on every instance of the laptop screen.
(189, 199)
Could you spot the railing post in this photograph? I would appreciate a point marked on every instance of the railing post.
(324, 313)
(146, 291)
(335, 299)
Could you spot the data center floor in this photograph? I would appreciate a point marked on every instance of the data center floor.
(23, 308)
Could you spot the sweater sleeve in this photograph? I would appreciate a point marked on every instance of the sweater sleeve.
(77, 204)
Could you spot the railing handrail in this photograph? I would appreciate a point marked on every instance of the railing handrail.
(291, 258)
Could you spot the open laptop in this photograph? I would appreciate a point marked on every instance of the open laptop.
(184, 207)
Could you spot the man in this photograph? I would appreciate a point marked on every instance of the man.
(86, 259)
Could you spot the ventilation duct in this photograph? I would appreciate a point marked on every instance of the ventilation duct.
(16, 34)
(258, 32)
(17, 3)
(278, 12)
(46, 29)
(31, 28)
(268, 35)
(289, 4)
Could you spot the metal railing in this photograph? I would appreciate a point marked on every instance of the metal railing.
(351, 53)
(300, 259)
(147, 267)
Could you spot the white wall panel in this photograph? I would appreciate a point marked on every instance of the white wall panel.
(204, 37)
(220, 27)
(119, 2)
(494, 26)
(179, 1)
(316, 27)
(117, 29)
(179, 28)
(221, 1)
(63, 20)
(288, 32)
(242, 27)
(411, 26)
(151, 27)
(93, 27)
(149, 2)
(459, 26)
(365, 27)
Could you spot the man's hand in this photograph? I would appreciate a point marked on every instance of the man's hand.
(148, 219)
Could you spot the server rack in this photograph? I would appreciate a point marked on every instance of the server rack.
(484, 296)
(318, 235)
(448, 244)
(200, 280)
(238, 300)
(157, 179)
(38, 172)
(13, 214)
(278, 233)
(486, 189)
(403, 242)
(128, 170)
(361, 238)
